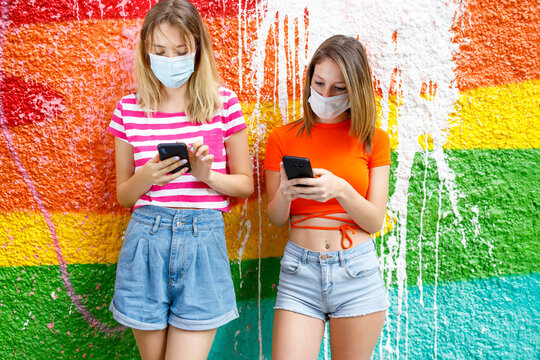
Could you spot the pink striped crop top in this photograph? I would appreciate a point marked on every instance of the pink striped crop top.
(130, 124)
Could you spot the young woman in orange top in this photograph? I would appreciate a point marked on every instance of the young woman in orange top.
(329, 270)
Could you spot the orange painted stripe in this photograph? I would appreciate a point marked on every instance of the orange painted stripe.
(498, 43)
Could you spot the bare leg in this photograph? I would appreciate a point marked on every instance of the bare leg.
(151, 343)
(355, 337)
(296, 336)
(189, 345)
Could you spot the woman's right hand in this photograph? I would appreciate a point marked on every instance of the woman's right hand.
(157, 172)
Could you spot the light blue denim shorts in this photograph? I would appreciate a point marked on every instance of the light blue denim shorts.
(174, 269)
(331, 284)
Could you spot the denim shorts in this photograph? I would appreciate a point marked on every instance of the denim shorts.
(174, 269)
(331, 284)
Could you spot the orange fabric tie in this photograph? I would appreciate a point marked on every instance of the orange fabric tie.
(343, 228)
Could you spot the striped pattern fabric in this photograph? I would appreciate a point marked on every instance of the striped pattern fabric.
(131, 124)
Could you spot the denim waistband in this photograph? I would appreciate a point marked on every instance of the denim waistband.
(163, 216)
(330, 257)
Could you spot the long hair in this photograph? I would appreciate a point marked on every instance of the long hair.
(350, 56)
(203, 95)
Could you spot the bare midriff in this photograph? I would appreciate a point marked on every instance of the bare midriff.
(326, 231)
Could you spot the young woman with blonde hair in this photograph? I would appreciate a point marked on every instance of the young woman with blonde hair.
(173, 280)
(329, 270)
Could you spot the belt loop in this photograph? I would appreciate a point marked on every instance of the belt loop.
(195, 226)
(304, 257)
(156, 225)
(341, 259)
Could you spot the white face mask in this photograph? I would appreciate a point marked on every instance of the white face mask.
(330, 107)
(173, 72)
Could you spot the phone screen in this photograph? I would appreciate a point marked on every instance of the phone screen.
(168, 150)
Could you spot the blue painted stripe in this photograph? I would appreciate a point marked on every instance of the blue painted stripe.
(495, 318)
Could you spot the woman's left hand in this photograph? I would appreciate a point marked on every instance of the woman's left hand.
(323, 187)
(200, 161)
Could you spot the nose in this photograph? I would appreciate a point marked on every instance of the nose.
(326, 92)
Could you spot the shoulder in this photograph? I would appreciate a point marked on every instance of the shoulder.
(286, 130)
(380, 138)
(228, 97)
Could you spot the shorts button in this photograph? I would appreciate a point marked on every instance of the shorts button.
(178, 223)
(323, 257)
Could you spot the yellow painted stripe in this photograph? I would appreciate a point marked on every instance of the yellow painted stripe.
(25, 239)
(498, 117)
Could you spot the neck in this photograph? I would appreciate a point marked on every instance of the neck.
(341, 117)
(174, 99)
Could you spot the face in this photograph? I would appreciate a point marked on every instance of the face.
(168, 40)
(327, 79)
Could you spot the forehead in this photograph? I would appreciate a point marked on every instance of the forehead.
(328, 70)
(166, 34)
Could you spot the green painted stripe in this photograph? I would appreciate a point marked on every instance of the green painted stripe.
(499, 216)
(495, 317)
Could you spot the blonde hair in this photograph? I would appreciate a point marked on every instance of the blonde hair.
(203, 95)
(350, 56)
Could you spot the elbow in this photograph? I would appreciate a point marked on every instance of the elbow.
(247, 190)
(124, 202)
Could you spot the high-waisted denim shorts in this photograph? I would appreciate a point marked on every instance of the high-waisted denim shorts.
(331, 284)
(174, 269)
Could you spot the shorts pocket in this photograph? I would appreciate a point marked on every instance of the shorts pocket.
(219, 239)
(362, 266)
(290, 264)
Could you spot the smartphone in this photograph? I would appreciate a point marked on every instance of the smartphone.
(168, 150)
(297, 167)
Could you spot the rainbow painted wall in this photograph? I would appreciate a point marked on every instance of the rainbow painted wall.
(458, 85)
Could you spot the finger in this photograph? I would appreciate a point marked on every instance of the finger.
(208, 158)
(320, 172)
(169, 168)
(195, 146)
(202, 150)
(176, 175)
(169, 161)
(155, 159)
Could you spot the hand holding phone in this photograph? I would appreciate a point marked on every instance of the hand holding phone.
(168, 150)
(297, 167)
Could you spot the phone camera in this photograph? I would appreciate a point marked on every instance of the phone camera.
(298, 165)
(163, 151)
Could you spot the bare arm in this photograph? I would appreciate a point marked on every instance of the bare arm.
(131, 185)
(279, 205)
(239, 181)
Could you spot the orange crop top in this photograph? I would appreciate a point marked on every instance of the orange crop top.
(330, 147)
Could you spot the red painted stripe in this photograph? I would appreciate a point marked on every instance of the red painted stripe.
(28, 102)
(27, 12)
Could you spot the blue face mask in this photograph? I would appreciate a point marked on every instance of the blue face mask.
(173, 72)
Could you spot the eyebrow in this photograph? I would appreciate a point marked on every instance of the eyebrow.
(323, 79)
(163, 46)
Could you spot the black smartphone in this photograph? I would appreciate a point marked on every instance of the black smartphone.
(168, 150)
(297, 167)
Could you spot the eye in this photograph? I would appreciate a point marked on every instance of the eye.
(181, 53)
(340, 88)
(319, 83)
(160, 53)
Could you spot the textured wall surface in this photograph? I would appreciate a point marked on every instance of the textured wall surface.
(458, 88)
